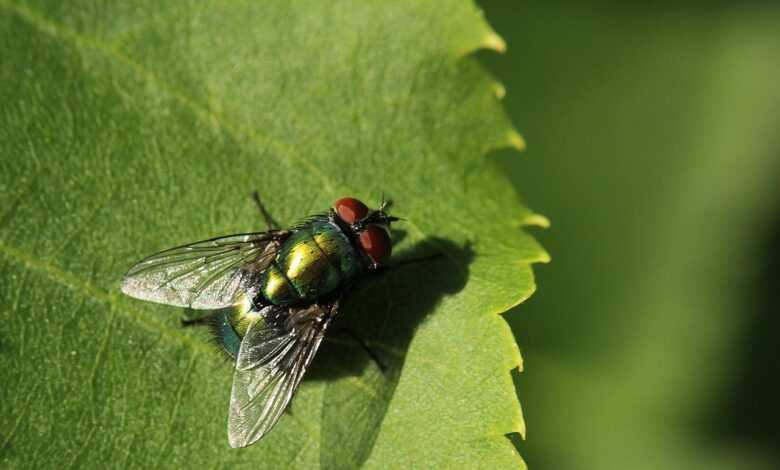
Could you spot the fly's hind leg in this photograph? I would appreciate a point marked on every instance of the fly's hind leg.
(269, 221)
(357, 339)
(204, 320)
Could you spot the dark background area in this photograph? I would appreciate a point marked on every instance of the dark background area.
(653, 138)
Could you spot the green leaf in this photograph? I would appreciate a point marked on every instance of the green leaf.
(129, 127)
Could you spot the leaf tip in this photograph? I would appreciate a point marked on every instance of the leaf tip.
(521, 429)
(515, 140)
(493, 41)
(499, 90)
(536, 220)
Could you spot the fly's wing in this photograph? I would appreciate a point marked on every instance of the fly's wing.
(275, 352)
(210, 274)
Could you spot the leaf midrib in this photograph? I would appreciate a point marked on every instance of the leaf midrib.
(94, 292)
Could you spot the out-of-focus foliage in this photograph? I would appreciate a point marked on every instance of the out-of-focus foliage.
(654, 146)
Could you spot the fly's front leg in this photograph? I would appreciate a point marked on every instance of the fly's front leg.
(382, 270)
(204, 320)
(407, 262)
(269, 221)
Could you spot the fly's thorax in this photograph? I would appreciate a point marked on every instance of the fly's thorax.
(336, 246)
(314, 261)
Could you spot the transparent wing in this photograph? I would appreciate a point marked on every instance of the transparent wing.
(209, 274)
(275, 353)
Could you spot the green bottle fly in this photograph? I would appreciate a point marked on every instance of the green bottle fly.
(273, 295)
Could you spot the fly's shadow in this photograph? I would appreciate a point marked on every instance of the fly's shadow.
(384, 311)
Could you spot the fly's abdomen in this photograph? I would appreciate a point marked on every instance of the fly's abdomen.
(312, 262)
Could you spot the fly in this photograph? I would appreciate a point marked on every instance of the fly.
(274, 294)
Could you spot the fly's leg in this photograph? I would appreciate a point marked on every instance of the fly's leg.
(382, 270)
(269, 221)
(422, 259)
(204, 320)
(354, 336)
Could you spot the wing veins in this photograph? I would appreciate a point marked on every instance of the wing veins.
(208, 274)
(269, 368)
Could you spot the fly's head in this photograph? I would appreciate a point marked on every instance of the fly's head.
(371, 228)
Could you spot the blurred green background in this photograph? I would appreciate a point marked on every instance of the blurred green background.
(654, 148)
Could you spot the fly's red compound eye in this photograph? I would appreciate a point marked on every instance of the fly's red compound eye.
(376, 243)
(350, 210)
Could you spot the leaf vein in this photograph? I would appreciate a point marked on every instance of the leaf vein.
(84, 446)
(298, 454)
(101, 354)
(20, 418)
(160, 19)
(175, 409)
(97, 294)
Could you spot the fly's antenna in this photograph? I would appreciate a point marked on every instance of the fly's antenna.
(378, 216)
(384, 203)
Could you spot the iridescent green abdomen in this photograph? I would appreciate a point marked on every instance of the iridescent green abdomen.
(314, 261)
